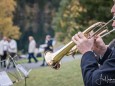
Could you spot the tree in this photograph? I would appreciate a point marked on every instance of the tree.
(7, 28)
(34, 18)
(77, 15)
(65, 19)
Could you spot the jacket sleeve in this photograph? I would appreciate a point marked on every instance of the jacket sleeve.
(88, 66)
(112, 44)
(105, 57)
(93, 74)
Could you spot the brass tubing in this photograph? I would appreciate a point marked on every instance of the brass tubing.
(53, 59)
(59, 55)
(101, 29)
(108, 33)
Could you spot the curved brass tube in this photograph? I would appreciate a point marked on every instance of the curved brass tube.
(53, 59)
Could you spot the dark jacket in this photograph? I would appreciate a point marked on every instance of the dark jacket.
(95, 75)
(49, 46)
(112, 44)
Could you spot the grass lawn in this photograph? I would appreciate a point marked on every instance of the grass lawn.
(68, 75)
(20, 61)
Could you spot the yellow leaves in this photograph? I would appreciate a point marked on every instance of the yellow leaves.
(71, 12)
(6, 25)
(67, 21)
(6, 8)
(62, 24)
(13, 32)
(90, 22)
(5, 21)
(81, 9)
(73, 8)
(7, 29)
(65, 15)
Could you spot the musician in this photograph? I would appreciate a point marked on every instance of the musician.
(93, 74)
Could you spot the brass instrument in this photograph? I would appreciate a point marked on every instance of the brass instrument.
(53, 59)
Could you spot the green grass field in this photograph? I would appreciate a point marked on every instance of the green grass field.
(20, 61)
(68, 75)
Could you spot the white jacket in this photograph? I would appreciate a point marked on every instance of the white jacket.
(1, 48)
(5, 45)
(12, 46)
(32, 46)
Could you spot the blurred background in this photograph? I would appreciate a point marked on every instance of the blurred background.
(59, 18)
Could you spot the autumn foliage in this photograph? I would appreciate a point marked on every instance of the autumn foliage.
(7, 28)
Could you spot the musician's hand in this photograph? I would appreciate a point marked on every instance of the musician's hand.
(83, 44)
(99, 46)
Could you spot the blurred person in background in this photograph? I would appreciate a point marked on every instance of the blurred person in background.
(48, 47)
(5, 49)
(31, 49)
(1, 52)
(12, 50)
